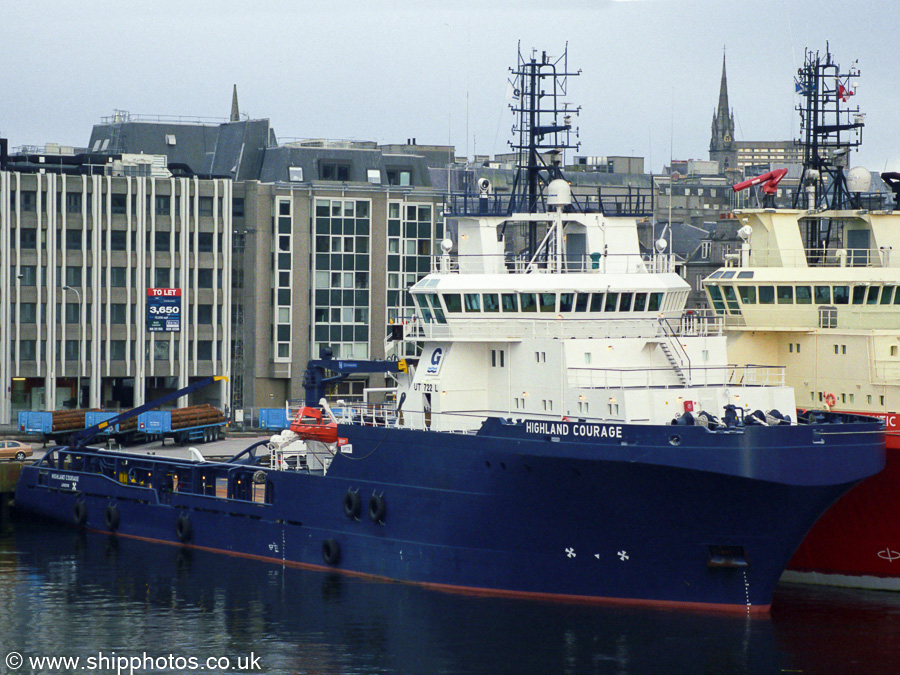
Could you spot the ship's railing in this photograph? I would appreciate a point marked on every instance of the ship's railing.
(690, 324)
(611, 201)
(661, 378)
(593, 263)
(816, 257)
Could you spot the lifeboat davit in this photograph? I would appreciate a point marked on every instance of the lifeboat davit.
(309, 426)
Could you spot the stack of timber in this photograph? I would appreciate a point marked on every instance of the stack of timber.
(196, 416)
(70, 420)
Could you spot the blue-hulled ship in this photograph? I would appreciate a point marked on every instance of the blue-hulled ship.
(566, 429)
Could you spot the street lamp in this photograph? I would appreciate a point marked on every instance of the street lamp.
(80, 355)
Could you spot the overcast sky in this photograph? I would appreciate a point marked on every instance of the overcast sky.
(436, 71)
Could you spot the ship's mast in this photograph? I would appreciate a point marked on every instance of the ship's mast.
(831, 129)
(542, 130)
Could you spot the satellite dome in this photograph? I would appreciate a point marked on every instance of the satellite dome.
(859, 179)
(559, 193)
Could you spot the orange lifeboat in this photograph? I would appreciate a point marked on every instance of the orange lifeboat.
(308, 424)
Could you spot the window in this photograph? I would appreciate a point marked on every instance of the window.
(822, 295)
(373, 176)
(334, 171)
(205, 314)
(163, 277)
(73, 202)
(766, 295)
(204, 350)
(748, 294)
(785, 295)
(117, 313)
(205, 279)
(548, 302)
(491, 302)
(118, 240)
(237, 207)
(73, 276)
(73, 312)
(528, 302)
(295, 174)
(71, 350)
(73, 240)
(841, 295)
(205, 206)
(453, 302)
(27, 275)
(28, 200)
(117, 350)
(27, 350)
(118, 277)
(399, 176)
(509, 301)
(28, 312)
(705, 249)
(205, 242)
(163, 205)
(28, 237)
(803, 295)
(119, 204)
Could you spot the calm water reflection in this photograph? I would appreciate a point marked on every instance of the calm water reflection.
(68, 594)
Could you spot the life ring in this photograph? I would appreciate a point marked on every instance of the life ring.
(352, 504)
(830, 399)
(377, 508)
(111, 518)
(331, 551)
(79, 514)
(183, 529)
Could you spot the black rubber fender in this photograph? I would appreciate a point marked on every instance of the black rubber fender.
(377, 508)
(352, 504)
(111, 518)
(331, 551)
(79, 513)
(183, 529)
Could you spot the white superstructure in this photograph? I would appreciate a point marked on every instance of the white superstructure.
(586, 328)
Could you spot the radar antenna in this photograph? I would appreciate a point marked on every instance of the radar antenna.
(831, 129)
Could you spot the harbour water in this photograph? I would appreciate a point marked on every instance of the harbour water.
(121, 605)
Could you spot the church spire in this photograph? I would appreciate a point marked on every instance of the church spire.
(235, 112)
(721, 144)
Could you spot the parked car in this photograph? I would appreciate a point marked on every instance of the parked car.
(14, 450)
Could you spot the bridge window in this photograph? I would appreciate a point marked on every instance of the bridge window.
(822, 295)
(453, 302)
(436, 306)
(612, 299)
(548, 302)
(581, 302)
(859, 295)
(655, 302)
(745, 275)
(767, 295)
(803, 295)
(785, 295)
(509, 302)
(597, 301)
(473, 302)
(625, 302)
(748, 294)
(565, 302)
(897, 296)
(872, 295)
(731, 299)
(640, 302)
(528, 302)
(491, 302)
(887, 295)
(841, 295)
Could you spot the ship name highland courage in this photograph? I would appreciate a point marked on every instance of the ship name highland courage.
(582, 430)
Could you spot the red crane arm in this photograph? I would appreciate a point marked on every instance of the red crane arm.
(770, 181)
